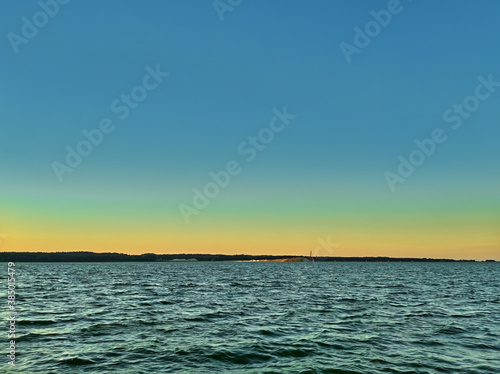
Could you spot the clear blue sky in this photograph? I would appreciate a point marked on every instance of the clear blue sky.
(353, 119)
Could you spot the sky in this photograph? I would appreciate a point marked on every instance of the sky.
(365, 128)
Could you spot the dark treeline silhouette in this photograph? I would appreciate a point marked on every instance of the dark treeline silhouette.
(151, 257)
(120, 257)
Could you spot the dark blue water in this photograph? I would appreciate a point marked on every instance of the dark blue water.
(256, 318)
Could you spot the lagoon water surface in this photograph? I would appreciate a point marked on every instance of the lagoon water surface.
(221, 317)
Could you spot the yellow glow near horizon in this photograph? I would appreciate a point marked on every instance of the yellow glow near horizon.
(437, 230)
(474, 243)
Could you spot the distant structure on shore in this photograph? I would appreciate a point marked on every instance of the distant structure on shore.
(183, 260)
(293, 259)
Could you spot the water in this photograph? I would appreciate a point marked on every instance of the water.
(256, 318)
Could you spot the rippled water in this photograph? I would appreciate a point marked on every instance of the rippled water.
(257, 318)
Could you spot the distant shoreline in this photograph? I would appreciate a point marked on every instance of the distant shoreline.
(185, 257)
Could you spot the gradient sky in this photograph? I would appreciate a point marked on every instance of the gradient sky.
(321, 179)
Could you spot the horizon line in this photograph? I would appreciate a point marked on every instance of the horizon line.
(4, 255)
